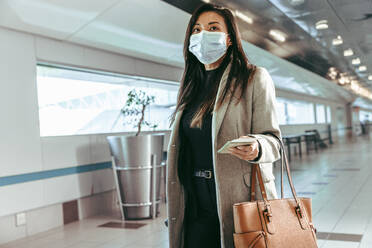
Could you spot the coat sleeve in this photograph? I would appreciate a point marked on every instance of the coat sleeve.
(264, 117)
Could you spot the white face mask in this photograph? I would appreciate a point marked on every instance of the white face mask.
(207, 46)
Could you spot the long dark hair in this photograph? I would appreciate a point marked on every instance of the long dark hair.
(240, 69)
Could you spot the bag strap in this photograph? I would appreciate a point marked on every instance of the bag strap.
(256, 171)
(284, 162)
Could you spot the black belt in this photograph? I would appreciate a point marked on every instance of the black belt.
(203, 173)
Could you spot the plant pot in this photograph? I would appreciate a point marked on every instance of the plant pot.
(134, 160)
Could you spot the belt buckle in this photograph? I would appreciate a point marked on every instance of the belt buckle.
(209, 174)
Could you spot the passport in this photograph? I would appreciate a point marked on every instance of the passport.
(236, 142)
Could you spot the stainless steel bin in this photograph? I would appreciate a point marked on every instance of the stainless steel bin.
(135, 158)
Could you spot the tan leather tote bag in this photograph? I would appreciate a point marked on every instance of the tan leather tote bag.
(277, 223)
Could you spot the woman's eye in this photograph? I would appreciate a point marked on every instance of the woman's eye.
(195, 30)
(213, 28)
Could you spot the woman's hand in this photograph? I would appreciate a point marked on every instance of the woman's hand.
(245, 152)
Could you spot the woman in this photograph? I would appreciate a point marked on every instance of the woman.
(222, 97)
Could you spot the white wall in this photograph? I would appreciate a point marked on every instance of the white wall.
(21, 148)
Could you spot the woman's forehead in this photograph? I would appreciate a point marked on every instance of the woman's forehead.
(210, 17)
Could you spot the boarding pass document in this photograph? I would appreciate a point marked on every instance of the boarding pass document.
(236, 142)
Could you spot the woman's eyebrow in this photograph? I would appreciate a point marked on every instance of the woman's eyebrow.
(214, 22)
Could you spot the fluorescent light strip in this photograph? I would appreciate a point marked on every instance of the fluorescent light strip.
(348, 52)
(337, 41)
(362, 68)
(322, 24)
(278, 35)
(355, 61)
(244, 17)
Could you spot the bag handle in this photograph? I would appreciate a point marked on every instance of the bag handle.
(284, 162)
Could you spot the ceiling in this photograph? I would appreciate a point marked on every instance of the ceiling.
(305, 45)
(154, 30)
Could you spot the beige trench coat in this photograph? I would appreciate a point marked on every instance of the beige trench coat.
(253, 115)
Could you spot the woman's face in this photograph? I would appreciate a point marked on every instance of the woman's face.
(213, 22)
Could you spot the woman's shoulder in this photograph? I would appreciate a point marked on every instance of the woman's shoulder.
(260, 72)
(262, 80)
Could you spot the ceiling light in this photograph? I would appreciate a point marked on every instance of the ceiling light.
(206, 1)
(278, 35)
(354, 85)
(348, 52)
(323, 24)
(337, 41)
(355, 61)
(244, 17)
(370, 77)
(296, 2)
(362, 68)
(342, 80)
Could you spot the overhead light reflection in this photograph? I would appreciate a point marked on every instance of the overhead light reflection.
(348, 52)
(278, 35)
(362, 68)
(322, 24)
(337, 41)
(244, 17)
(355, 61)
(296, 2)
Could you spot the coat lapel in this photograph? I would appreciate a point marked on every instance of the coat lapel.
(217, 116)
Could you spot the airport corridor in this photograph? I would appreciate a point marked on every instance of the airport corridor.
(337, 178)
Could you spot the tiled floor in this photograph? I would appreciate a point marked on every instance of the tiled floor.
(338, 179)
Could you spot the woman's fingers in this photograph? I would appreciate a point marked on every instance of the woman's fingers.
(246, 152)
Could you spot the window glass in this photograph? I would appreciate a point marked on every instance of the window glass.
(300, 112)
(320, 113)
(365, 115)
(294, 111)
(281, 110)
(329, 117)
(76, 101)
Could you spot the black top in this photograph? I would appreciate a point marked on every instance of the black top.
(200, 140)
(196, 143)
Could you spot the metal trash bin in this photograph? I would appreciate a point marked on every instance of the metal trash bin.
(134, 159)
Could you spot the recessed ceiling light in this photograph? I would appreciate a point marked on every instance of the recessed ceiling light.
(354, 86)
(362, 68)
(337, 41)
(206, 1)
(370, 77)
(278, 35)
(342, 80)
(244, 17)
(296, 2)
(323, 24)
(355, 61)
(348, 52)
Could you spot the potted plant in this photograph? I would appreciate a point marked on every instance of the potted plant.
(134, 108)
(137, 161)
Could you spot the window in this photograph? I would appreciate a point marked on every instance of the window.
(329, 119)
(365, 115)
(281, 110)
(294, 111)
(320, 113)
(76, 101)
